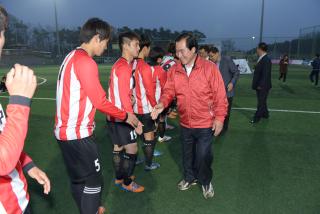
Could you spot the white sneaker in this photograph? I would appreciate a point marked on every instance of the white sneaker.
(164, 139)
(169, 127)
(207, 191)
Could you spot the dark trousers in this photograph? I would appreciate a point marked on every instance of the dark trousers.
(284, 76)
(226, 121)
(314, 73)
(197, 154)
(262, 108)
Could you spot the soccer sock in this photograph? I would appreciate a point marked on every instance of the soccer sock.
(162, 129)
(148, 149)
(77, 191)
(129, 163)
(117, 160)
(91, 198)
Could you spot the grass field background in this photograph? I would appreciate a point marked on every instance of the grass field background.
(269, 167)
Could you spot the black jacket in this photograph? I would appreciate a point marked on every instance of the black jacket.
(262, 74)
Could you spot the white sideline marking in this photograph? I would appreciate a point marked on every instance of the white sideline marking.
(245, 109)
(280, 110)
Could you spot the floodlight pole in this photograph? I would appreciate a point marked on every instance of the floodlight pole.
(57, 29)
(261, 23)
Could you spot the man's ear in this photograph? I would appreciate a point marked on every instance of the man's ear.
(193, 50)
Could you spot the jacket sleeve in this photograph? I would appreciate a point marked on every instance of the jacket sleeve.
(14, 133)
(124, 74)
(266, 67)
(234, 70)
(88, 75)
(163, 77)
(26, 162)
(220, 103)
(149, 84)
(168, 92)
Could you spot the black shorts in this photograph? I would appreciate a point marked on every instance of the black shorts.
(121, 133)
(81, 158)
(148, 123)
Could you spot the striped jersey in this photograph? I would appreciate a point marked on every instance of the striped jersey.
(121, 84)
(78, 95)
(159, 78)
(144, 91)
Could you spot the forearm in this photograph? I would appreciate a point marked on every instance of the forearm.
(14, 133)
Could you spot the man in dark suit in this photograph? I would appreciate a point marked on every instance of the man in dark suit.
(230, 74)
(262, 82)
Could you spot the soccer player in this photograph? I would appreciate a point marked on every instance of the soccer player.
(123, 136)
(144, 93)
(79, 94)
(21, 84)
(160, 78)
(202, 106)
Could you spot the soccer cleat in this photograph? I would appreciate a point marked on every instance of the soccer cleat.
(139, 161)
(119, 182)
(157, 153)
(133, 187)
(153, 166)
(164, 139)
(169, 127)
(207, 191)
(184, 185)
(101, 210)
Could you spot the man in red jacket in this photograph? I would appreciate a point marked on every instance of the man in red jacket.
(202, 106)
(21, 84)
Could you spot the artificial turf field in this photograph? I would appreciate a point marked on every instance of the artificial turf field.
(269, 167)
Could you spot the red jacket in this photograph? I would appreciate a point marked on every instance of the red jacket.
(201, 97)
(14, 196)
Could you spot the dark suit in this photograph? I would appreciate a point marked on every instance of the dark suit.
(230, 74)
(262, 84)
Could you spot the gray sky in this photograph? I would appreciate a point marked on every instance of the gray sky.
(216, 18)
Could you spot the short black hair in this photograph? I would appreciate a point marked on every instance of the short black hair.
(172, 48)
(144, 41)
(205, 47)
(93, 27)
(3, 19)
(155, 54)
(127, 37)
(263, 46)
(213, 50)
(191, 40)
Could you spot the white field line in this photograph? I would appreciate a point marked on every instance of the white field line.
(244, 109)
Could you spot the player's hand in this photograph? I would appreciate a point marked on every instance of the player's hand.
(157, 110)
(139, 128)
(132, 120)
(41, 177)
(217, 127)
(230, 86)
(21, 81)
(259, 87)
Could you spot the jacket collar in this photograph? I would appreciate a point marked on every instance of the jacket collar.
(197, 63)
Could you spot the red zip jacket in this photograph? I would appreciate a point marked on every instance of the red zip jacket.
(201, 97)
(14, 196)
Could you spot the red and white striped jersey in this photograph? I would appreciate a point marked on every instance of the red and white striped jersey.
(144, 91)
(121, 84)
(79, 94)
(167, 62)
(14, 197)
(159, 78)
